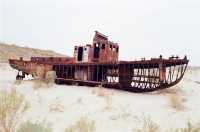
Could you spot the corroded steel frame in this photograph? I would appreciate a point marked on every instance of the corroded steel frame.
(135, 76)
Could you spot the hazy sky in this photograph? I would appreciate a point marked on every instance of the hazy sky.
(143, 28)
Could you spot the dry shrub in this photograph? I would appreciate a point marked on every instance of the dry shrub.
(37, 84)
(50, 77)
(176, 101)
(18, 82)
(102, 92)
(56, 107)
(34, 127)
(39, 72)
(44, 80)
(45, 83)
(41, 84)
(147, 126)
(12, 106)
(188, 128)
(123, 114)
(82, 125)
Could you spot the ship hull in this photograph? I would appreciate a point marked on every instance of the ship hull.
(134, 76)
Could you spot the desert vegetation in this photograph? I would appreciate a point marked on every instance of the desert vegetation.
(56, 106)
(176, 101)
(37, 84)
(188, 128)
(12, 107)
(82, 125)
(50, 77)
(28, 126)
(174, 96)
(106, 94)
(147, 125)
(44, 83)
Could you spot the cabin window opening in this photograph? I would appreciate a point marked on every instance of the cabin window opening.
(96, 51)
(117, 49)
(80, 53)
(96, 45)
(110, 47)
(103, 46)
(113, 48)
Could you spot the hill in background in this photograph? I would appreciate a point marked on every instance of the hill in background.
(14, 52)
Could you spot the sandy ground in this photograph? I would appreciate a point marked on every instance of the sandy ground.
(111, 110)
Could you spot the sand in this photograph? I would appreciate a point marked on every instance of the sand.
(111, 110)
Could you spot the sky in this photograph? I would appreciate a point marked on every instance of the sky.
(143, 28)
(1, 20)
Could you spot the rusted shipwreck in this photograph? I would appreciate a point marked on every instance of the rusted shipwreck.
(97, 64)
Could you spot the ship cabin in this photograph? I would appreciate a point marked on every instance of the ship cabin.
(101, 50)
